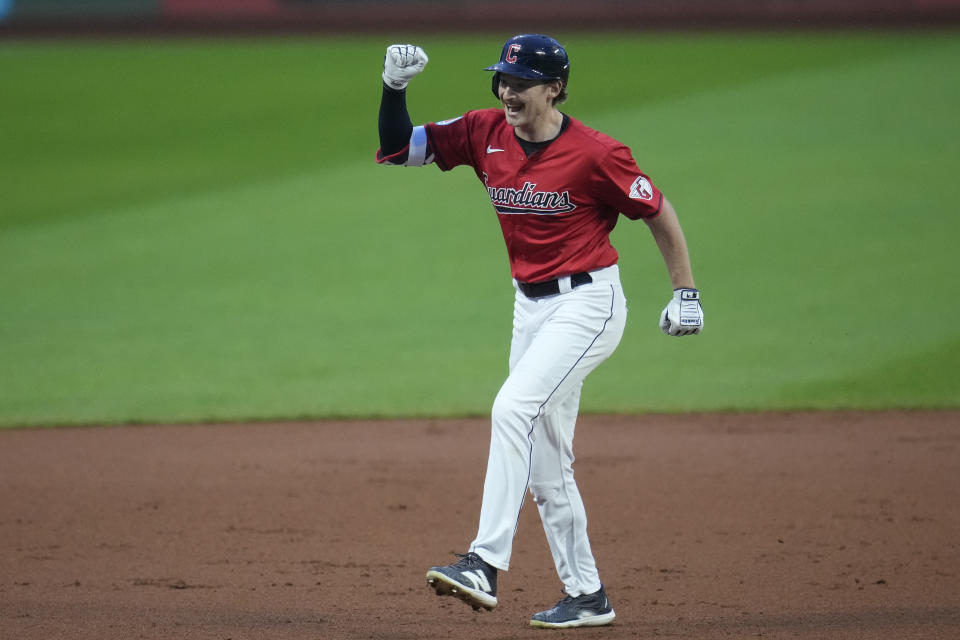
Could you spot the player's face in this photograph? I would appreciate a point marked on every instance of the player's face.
(526, 101)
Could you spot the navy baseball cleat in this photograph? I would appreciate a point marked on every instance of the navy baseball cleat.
(587, 610)
(470, 579)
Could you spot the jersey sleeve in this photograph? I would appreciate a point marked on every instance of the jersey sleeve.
(451, 141)
(620, 184)
(415, 153)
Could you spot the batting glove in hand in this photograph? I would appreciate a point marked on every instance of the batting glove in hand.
(402, 62)
(683, 315)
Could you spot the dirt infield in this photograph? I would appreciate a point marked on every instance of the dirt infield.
(819, 525)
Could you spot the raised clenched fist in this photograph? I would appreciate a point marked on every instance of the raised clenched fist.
(402, 63)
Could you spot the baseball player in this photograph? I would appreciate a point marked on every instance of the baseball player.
(558, 188)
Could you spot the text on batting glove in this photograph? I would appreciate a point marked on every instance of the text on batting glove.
(402, 63)
(683, 315)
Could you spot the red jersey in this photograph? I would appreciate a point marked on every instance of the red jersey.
(556, 207)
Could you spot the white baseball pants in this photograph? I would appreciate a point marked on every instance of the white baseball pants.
(557, 341)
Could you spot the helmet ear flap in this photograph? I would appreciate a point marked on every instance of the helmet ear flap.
(495, 85)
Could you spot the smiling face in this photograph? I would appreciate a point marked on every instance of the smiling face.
(528, 104)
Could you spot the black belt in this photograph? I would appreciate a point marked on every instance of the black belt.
(552, 287)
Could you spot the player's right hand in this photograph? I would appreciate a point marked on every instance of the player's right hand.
(402, 63)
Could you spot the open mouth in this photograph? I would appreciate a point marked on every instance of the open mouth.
(513, 109)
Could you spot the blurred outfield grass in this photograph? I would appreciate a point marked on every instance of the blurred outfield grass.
(196, 230)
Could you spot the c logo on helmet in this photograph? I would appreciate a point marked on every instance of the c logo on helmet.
(512, 53)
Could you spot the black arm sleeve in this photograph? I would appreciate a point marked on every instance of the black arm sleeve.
(394, 123)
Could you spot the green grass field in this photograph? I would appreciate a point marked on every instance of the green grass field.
(196, 230)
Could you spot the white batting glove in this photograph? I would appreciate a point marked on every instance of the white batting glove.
(402, 62)
(683, 315)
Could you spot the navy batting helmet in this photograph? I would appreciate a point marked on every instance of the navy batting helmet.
(532, 56)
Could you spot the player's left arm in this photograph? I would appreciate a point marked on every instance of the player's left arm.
(683, 314)
(669, 237)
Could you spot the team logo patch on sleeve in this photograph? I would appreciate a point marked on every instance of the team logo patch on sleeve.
(641, 189)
